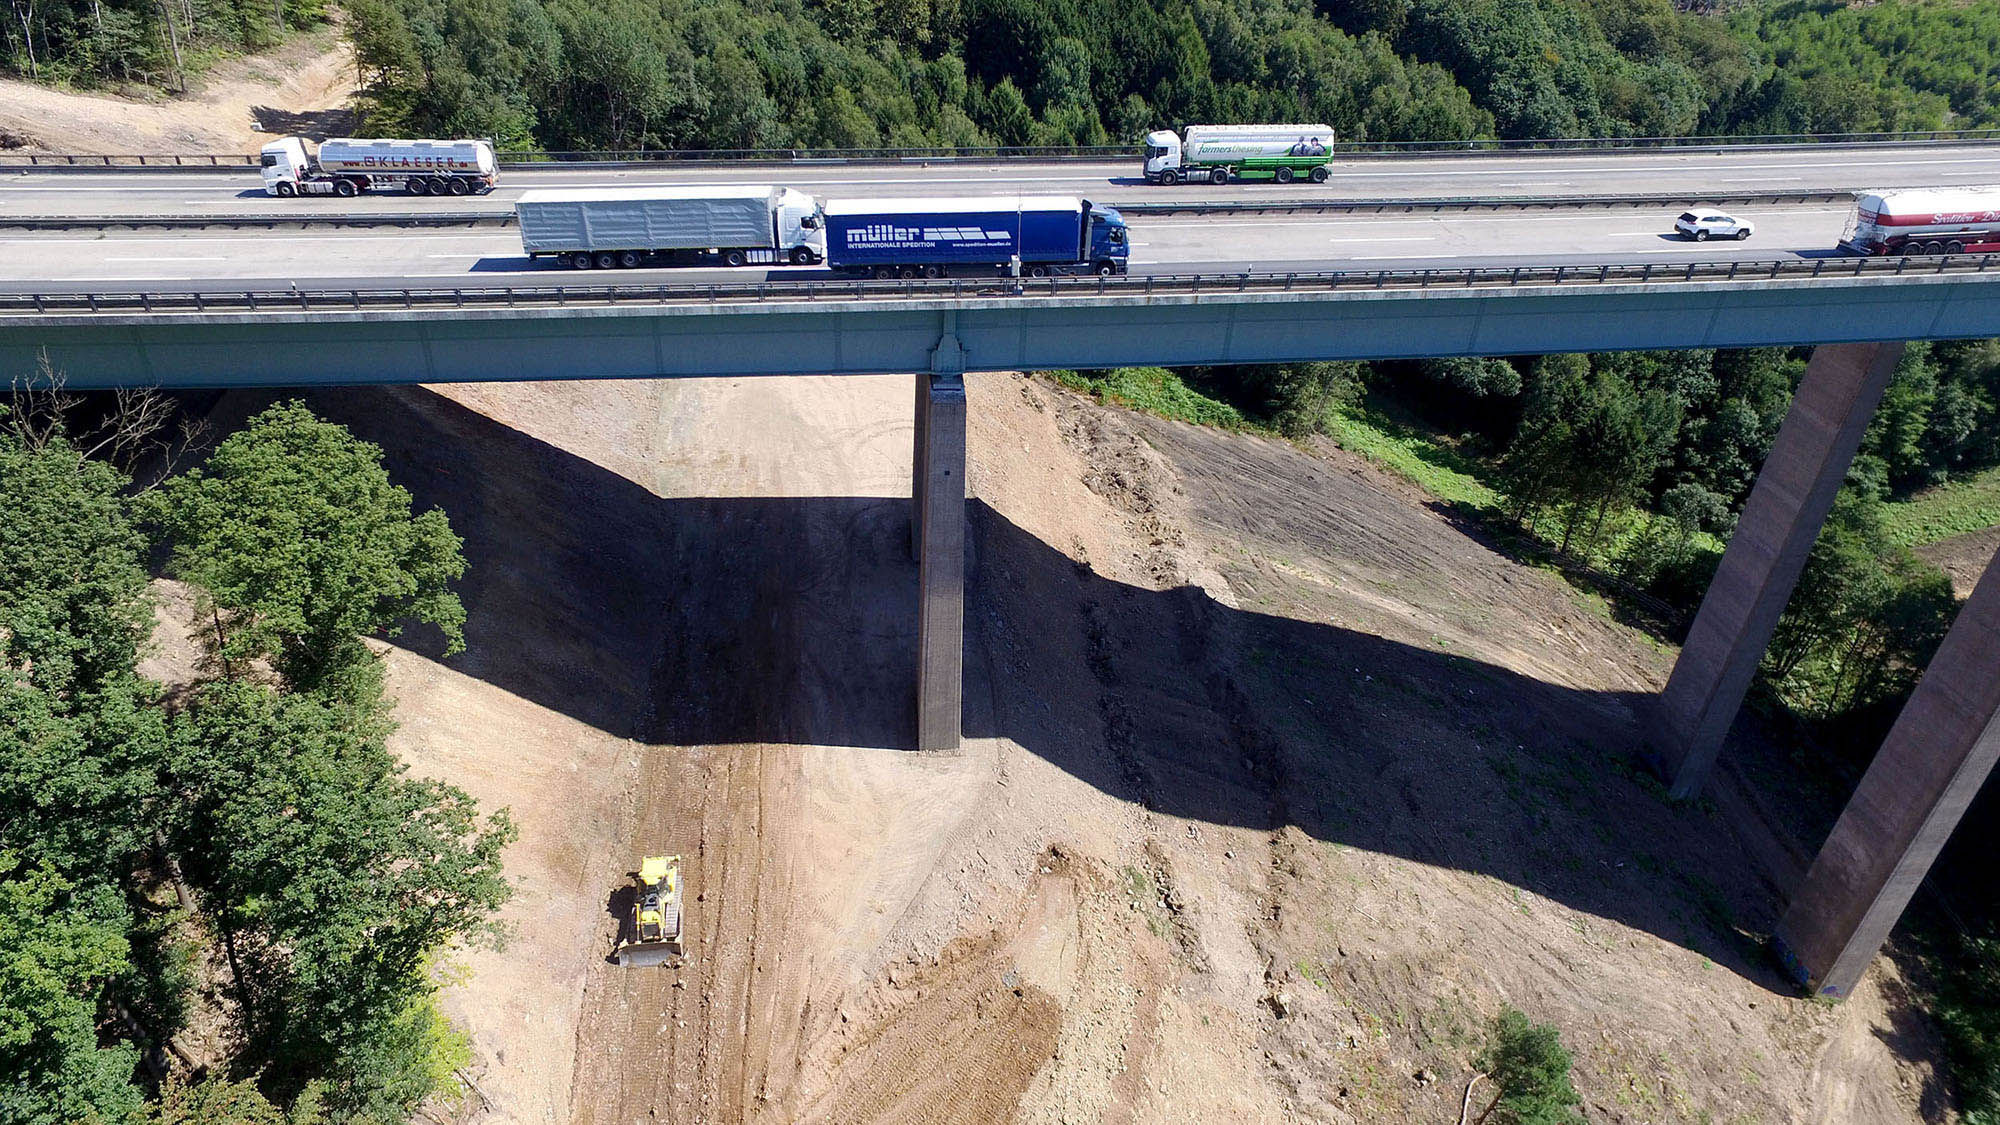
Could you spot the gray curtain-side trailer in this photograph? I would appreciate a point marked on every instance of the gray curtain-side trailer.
(605, 228)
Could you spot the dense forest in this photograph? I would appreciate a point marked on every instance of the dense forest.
(242, 854)
(575, 74)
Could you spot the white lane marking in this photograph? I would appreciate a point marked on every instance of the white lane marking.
(1375, 238)
(175, 259)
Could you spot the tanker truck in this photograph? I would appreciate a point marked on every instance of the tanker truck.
(1925, 221)
(348, 166)
(1216, 153)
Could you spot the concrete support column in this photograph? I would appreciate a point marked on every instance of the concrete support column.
(919, 460)
(1794, 492)
(939, 532)
(1936, 757)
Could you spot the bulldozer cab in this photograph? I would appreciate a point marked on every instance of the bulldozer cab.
(656, 914)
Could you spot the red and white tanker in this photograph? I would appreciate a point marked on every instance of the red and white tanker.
(1926, 221)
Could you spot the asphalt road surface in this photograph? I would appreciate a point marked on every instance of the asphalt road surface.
(229, 259)
(1696, 174)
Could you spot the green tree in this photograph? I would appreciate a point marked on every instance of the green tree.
(296, 532)
(81, 744)
(216, 1100)
(60, 944)
(1529, 1064)
(1588, 444)
(334, 878)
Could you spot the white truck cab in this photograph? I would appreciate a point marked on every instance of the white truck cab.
(1163, 152)
(801, 223)
(284, 162)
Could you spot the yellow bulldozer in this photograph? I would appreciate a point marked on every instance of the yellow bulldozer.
(655, 935)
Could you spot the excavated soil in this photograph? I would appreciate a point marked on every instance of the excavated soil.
(303, 87)
(1964, 557)
(1277, 783)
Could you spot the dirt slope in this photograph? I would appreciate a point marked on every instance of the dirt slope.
(1964, 557)
(1276, 783)
(303, 87)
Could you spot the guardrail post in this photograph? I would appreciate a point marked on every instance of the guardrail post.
(1781, 520)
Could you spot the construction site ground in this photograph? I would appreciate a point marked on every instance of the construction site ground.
(1277, 783)
(305, 86)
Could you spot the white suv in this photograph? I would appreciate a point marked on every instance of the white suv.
(1704, 225)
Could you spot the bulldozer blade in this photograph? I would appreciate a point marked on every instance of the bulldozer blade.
(649, 954)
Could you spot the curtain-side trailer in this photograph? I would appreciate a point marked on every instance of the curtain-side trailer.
(986, 235)
(608, 228)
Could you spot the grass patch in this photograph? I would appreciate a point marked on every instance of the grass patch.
(1951, 509)
(1409, 452)
(1154, 390)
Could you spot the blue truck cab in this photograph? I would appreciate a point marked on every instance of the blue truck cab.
(975, 235)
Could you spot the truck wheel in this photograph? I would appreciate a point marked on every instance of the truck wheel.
(884, 273)
(1954, 247)
(580, 260)
(734, 258)
(1170, 177)
(933, 271)
(1106, 269)
(345, 189)
(458, 186)
(629, 259)
(1218, 176)
(1283, 175)
(1038, 271)
(1319, 175)
(417, 185)
(605, 260)
(802, 256)
(287, 190)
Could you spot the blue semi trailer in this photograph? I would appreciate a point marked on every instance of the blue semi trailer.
(974, 235)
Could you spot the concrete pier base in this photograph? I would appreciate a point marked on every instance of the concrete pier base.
(1794, 492)
(1936, 757)
(938, 540)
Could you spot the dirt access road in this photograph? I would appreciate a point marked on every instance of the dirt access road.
(1277, 783)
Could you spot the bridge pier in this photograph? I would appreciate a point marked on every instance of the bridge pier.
(1937, 755)
(1794, 492)
(937, 539)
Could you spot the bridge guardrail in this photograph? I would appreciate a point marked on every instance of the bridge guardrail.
(965, 289)
(1145, 207)
(519, 160)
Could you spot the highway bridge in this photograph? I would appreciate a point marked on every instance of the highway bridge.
(1174, 243)
(193, 278)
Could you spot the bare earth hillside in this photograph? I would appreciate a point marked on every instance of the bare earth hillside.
(1277, 783)
(303, 87)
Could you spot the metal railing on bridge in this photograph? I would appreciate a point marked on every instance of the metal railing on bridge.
(335, 300)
